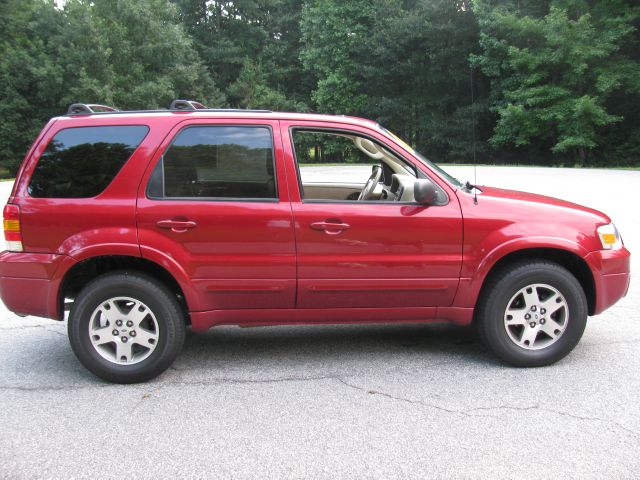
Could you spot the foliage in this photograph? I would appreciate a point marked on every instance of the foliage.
(554, 70)
(30, 77)
(250, 47)
(132, 54)
(404, 64)
(555, 81)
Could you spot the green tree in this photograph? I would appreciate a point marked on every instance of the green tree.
(404, 63)
(134, 54)
(251, 90)
(250, 48)
(29, 76)
(336, 37)
(553, 80)
(131, 54)
(554, 66)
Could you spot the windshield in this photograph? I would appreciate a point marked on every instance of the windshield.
(450, 178)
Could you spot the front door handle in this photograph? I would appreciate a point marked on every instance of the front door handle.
(330, 228)
(178, 226)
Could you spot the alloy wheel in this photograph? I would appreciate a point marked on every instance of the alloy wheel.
(123, 330)
(536, 316)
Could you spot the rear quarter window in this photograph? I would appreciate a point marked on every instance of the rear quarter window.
(81, 162)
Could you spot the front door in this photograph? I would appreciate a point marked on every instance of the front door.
(215, 205)
(375, 252)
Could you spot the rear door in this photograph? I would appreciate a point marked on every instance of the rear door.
(214, 204)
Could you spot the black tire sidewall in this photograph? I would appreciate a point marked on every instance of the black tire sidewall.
(140, 287)
(492, 313)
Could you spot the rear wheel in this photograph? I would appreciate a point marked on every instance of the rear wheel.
(126, 327)
(532, 314)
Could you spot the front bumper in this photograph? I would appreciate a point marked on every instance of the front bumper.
(611, 276)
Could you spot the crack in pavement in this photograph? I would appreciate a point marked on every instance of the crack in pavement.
(467, 412)
(158, 386)
(401, 399)
(237, 381)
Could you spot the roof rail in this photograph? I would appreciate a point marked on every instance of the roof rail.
(89, 108)
(176, 106)
(191, 105)
(186, 105)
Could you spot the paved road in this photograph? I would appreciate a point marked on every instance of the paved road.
(390, 401)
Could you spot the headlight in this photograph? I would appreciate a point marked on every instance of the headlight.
(609, 237)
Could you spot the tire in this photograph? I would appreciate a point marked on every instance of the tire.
(514, 319)
(126, 327)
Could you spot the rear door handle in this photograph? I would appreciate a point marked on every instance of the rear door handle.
(178, 226)
(330, 228)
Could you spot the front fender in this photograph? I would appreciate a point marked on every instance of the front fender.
(511, 246)
(471, 285)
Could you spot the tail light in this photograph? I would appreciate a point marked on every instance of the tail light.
(12, 232)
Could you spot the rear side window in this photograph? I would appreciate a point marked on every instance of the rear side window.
(217, 162)
(81, 162)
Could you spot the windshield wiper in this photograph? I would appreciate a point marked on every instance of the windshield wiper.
(469, 186)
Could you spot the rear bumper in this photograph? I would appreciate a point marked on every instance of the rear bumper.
(611, 276)
(30, 282)
(27, 296)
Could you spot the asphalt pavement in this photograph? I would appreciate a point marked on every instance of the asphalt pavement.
(337, 402)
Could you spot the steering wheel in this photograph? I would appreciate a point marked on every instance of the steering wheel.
(372, 183)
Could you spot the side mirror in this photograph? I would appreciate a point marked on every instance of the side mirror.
(425, 192)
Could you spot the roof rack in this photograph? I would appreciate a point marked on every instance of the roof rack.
(186, 105)
(192, 105)
(176, 106)
(88, 108)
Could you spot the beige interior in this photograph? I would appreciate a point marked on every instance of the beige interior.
(401, 188)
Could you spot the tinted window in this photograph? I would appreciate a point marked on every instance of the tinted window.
(81, 162)
(217, 162)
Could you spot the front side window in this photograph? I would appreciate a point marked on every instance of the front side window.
(344, 166)
(216, 162)
(80, 162)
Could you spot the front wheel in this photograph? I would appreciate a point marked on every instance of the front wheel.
(532, 314)
(126, 327)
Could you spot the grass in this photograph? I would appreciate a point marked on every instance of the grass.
(520, 165)
(337, 164)
(619, 168)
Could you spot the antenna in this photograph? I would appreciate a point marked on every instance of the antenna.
(473, 135)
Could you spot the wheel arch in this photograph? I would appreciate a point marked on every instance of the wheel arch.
(573, 262)
(86, 270)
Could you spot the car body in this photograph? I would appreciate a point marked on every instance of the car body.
(287, 259)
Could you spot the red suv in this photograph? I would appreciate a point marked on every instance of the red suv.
(143, 223)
